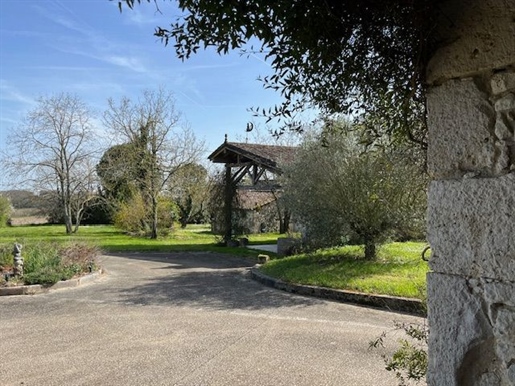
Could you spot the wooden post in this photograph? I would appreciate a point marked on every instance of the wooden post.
(228, 200)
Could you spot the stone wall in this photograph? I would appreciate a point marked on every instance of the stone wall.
(471, 216)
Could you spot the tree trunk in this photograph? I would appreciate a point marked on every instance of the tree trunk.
(153, 232)
(78, 219)
(370, 249)
(68, 223)
(284, 222)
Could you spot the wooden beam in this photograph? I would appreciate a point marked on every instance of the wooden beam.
(238, 176)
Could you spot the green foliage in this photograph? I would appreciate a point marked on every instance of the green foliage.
(134, 217)
(117, 172)
(364, 57)
(131, 216)
(409, 361)
(167, 215)
(189, 188)
(6, 255)
(47, 262)
(339, 192)
(5, 210)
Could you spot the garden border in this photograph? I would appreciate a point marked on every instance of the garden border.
(391, 303)
(39, 288)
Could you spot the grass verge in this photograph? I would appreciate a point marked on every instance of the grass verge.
(110, 239)
(398, 271)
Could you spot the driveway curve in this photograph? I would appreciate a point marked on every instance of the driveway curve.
(187, 319)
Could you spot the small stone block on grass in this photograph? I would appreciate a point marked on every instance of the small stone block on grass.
(262, 259)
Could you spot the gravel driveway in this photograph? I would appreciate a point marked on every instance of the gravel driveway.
(187, 319)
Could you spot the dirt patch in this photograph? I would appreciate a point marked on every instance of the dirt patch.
(28, 216)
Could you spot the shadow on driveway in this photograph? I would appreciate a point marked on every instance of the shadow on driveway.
(202, 280)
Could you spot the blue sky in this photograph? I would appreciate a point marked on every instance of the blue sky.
(86, 47)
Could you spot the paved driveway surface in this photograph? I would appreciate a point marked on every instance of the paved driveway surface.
(186, 319)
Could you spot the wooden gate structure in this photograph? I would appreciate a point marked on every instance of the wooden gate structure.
(251, 171)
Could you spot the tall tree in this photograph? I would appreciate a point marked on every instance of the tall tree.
(161, 144)
(189, 190)
(117, 172)
(339, 191)
(364, 57)
(53, 150)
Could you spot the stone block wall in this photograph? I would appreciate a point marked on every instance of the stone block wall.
(471, 214)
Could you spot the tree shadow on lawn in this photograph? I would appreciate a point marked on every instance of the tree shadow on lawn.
(208, 282)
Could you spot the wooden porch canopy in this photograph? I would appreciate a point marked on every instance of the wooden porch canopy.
(252, 159)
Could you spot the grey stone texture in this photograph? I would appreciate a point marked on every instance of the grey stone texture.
(471, 214)
(471, 223)
(477, 35)
(472, 330)
(483, 143)
(457, 147)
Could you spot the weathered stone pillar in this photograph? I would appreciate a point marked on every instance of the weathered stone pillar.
(471, 217)
(17, 260)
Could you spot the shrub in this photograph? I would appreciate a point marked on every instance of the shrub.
(47, 263)
(6, 255)
(167, 215)
(134, 216)
(5, 210)
(409, 361)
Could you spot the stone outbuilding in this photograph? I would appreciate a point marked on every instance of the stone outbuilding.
(253, 169)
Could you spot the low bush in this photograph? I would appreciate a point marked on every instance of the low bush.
(5, 210)
(6, 256)
(409, 361)
(47, 263)
(135, 218)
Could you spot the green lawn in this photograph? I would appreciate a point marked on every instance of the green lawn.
(398, 271)
(110, 239)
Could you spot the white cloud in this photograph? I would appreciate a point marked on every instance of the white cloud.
(93, 44)
(130, 62)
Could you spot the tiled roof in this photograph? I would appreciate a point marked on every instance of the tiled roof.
(268, 155)
(253, 199)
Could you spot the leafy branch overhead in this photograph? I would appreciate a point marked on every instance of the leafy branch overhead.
(364, 57)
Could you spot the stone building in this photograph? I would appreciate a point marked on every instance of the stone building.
(254, 169)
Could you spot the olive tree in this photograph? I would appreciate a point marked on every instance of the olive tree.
(160, 144)
(52, 150)
(338, 191)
